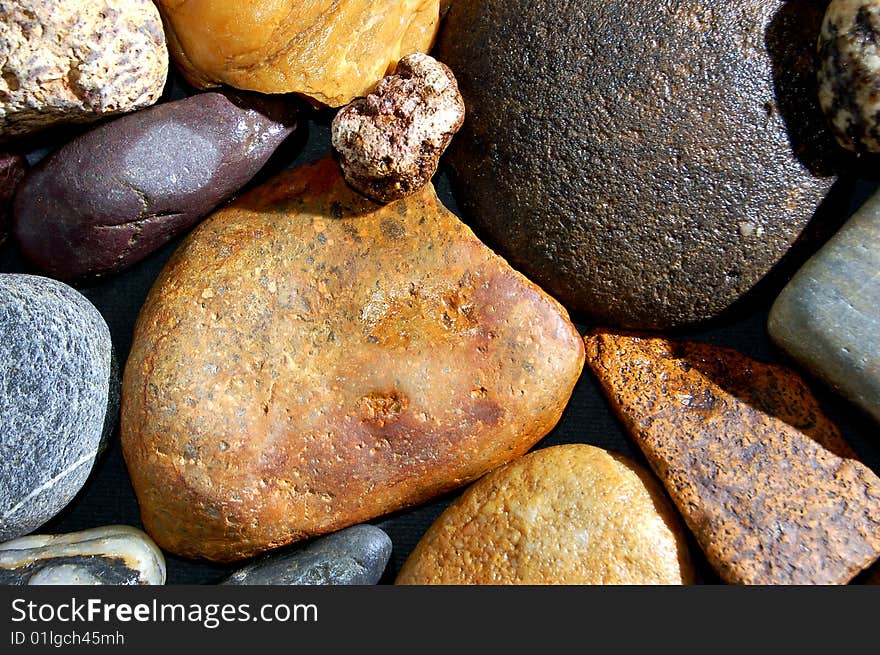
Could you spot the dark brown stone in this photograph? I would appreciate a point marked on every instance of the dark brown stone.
(646, 163)
(764, 480)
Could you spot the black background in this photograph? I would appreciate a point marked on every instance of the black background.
(108, 497)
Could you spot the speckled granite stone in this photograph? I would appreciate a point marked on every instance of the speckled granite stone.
(849, 73)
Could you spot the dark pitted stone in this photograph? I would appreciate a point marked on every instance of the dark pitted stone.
(110, 197)
(112, 555)
(355, 556)
(849, 73)
(771, 491)
(12, 170)
(645, 163)
(55, 373)
(828, 317)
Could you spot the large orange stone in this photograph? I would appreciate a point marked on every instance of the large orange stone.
(310, 359)
(329, 50)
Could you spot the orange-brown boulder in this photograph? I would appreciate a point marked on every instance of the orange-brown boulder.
(310, 359)
(331, 51)
(765, 481)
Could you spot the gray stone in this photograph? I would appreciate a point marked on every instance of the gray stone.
(55, 368)
(355, 556)
(828, 317)
(111, 555)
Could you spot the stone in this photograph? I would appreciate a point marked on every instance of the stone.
(572, 514)
(771, 491)
(645, 163)
(828, 317)
(77, 61)
(55, 376)
(849, 73)
(310, 359)
(12, 169)
(389, 143)
(355, 556)
(111, 555)
(330, 51)
(97, 205)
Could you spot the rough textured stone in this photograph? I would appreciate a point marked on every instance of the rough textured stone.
(571, 514)
(828, 317)
(12, 170)
(849, 73)
(109, 198)
(355, 556)
(645, 163)
(112, 555)
(390, 142)
(764, 480)
(55, 377)
(78, 60)
(331, 51)
(310, 359)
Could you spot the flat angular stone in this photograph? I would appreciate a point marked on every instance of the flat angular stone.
(310, 359)
(763, 479)
(55, 379)
(828, 316)
(111, 555)
(355, 556)
(572, 514)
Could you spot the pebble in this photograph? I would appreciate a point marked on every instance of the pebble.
(310, 359)
(828, 317)
(111, 555)
(78, 60)
(97, 205)
(390, 142)
(55, 373)
(648, 168)
(572, 514)
(328, 52)
(849, 73)
(771, 491)
(355, 556)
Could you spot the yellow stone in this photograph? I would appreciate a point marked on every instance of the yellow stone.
(331, 51)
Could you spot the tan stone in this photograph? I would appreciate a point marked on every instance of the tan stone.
(77, 61)
(571, 514)
(310, 359)
(329, 50)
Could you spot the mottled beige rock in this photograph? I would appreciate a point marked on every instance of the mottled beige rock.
(331, 51)
(572, 514)
(390, 142)
(77, 61)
